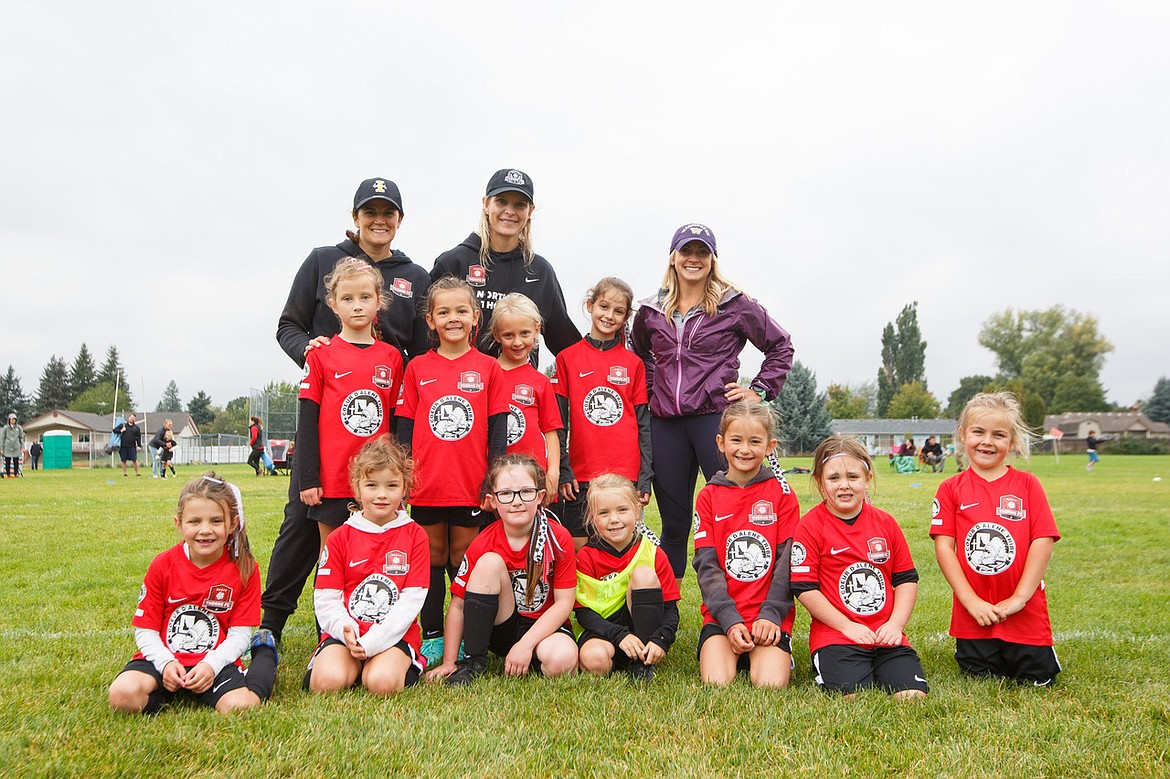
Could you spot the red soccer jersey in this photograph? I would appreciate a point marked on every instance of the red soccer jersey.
(192, 607)
(372, 569)
(854, 566)
(493, 539)
(603, 388)
(746, 527)
(533, 412)
(356, 389)
(450, 402)
(602, 564)
(994, 524)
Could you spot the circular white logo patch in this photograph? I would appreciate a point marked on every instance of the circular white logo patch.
(990, 549)
(520, 591)
(371, 600)
(862, 588)
(798, 553)
(603, 406)
(361, 412)
(748, 556)
(192, 629)
(451, 417)
(516, 424)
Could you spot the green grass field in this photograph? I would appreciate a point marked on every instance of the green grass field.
(75, 545)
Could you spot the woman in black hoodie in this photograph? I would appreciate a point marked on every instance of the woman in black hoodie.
(498, 259)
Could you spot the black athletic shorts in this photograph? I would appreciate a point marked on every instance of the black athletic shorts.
(507, 633)
(331, 511)
(232, 677)
(847, 668)
(412, 673)
(1022, 663)
(572, 512)
(744, 663)
(459, 516)
(128, 454)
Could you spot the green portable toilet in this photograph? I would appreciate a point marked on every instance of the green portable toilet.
(58, 449)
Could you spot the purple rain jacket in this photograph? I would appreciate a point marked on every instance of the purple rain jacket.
(685, 377)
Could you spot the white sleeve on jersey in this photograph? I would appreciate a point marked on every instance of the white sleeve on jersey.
(234, 644)
(390, 630)
(329, 606)
(151, 645)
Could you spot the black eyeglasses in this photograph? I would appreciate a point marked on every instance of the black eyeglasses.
(528, 494)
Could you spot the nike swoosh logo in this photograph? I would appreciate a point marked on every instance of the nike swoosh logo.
(834, 550)
(918, 678)
(725, 516)
(425, 383)
(221, 684)
(965, 506)
(341, 375)
(175, 600)
(352, 563)
(531, 280)
(583, 375)
(476, 512)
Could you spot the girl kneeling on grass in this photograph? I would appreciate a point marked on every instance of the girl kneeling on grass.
(196, 612)
(515, 587)
(371, 582)
(627, 596)
(852, 570)
(744, 521)
(1001, 520)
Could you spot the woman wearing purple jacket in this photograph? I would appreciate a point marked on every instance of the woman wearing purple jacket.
(690, 335)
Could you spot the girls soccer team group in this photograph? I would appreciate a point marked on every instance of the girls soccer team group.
(485, 447)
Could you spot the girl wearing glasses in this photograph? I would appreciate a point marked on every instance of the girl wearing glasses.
(515, 587)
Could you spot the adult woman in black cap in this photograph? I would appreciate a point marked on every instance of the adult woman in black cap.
(377, 215)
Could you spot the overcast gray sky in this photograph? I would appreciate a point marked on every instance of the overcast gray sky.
(167, 167)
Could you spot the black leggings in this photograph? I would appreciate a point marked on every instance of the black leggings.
(255, 457)
(681, 446)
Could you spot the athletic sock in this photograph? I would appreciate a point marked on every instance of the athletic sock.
(479, 617)
(431, 615)
(261, 676)
(646, 611)
(452, 571)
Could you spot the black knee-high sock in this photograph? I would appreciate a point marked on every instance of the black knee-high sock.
(262, 672)
(431, 615)
(479, 617)
(154, 702)
(646, 610)
(452, 571)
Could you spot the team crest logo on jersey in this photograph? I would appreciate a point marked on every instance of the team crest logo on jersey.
(618, 375)
(324, 560)
(695, 523)
(863, 589)
(462, 567)
(524, 395)
(603, 406)
(451, 418)
(935, 508)
(361, 412)
(990, 549)
(798, 555)
(219, 598)
(401, 288)
(517, 424)
(879, 551)
(748, 556)
(397, 563)
(476, 276)
(762, 513)
(305, 376)
(142, 593)
(372, 600)
(520, 592)
(383, 377)
(470, 381)
(1011, 507)
(192, 629)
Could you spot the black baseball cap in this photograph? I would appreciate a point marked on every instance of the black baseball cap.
(378, 189)
(510, 180)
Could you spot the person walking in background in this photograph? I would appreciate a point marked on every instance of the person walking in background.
(257, 442)
(12, 444)
(34, 453)
(1091, 444)
(131, 439)
(155, 447)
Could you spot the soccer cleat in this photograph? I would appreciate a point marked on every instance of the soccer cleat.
(432, 650)
(640, 673)
(265, 637)
(467, 671)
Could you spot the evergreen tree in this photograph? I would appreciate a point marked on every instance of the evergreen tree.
(83, 374)
(903, 357)
(1158, 407)
(199, 407)
(170, 400)
(12, 397)
(53, 391)
(804, 415)
(112, 368)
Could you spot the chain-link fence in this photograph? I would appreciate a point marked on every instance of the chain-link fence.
(277, 409)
